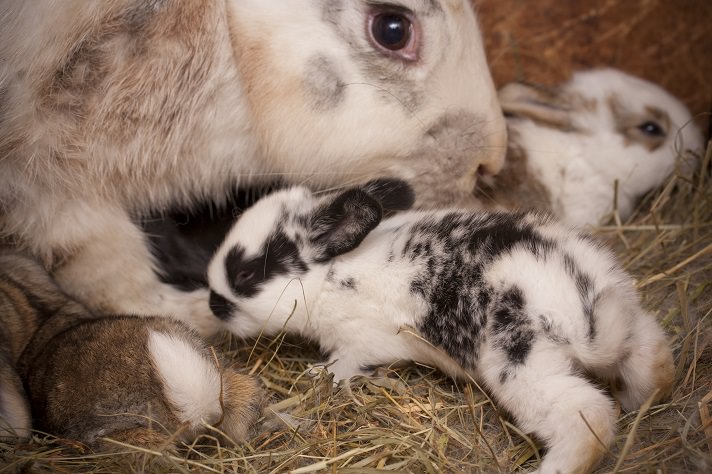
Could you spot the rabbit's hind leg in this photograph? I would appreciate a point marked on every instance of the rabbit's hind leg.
(550, 399)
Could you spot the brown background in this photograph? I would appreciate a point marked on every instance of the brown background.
(543, 41)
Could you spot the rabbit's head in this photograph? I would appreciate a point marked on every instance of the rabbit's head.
(600, 127)
(340, 91)
(279, 248)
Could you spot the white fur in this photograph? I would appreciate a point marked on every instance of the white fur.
(580, 157)
(377, 320)
(190, 382)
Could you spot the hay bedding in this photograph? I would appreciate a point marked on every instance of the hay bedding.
(414, 419)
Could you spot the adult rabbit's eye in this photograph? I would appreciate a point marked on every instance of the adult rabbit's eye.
(395, 34)
(392, 31)
(651, 129)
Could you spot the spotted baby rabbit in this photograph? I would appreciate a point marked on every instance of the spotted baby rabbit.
(516, 301)
(146, 381)
(568, 145)
(111, 110)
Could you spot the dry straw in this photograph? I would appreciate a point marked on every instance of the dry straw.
(414, 419)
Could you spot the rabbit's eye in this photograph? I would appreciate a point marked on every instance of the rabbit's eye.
(651, 129)
(244, 276)
(392, 31)
(394, 34)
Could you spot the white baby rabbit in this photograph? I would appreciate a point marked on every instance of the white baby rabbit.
(569, 145)
(146, 381)
(516, 301)
(113, 109)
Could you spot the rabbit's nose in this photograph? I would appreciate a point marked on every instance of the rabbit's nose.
(492, 153)
(494, 148)
(477, 142)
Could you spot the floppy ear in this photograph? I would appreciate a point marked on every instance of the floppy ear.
(546, 106)
(394, 194)
(341, 224)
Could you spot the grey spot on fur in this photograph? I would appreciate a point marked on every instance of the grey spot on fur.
(550, 331)
(391, 75)
(322, 83)
(450, 144)
(587, 293)
(515, 186)
(389, 78)
(140, 16)
(348, 283)
(433, 6)
(332, 10)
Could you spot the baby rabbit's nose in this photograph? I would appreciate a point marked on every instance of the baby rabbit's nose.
(221, 307)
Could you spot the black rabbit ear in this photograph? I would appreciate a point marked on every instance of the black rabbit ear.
(394, 194)
(343, 222)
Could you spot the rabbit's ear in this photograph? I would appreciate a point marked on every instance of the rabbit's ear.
(394, 194)
(546, 106)
(341, 224)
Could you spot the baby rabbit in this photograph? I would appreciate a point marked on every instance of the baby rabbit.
(516, 301)
(112, 110)
(568, 145)
(141, 380)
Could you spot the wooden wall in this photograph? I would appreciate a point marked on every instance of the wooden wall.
(666, 41)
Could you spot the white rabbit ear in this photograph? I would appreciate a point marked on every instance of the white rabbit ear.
(341, 224)
(547, 106)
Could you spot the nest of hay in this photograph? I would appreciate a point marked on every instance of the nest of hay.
(415, 419)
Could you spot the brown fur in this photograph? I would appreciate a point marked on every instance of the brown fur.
(664, 371)
(627, 123)
(97, 379)
(513, 187)
(88, 377)
(601, 437)
(547, 106)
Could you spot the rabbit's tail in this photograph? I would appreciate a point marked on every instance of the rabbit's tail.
(200, 391)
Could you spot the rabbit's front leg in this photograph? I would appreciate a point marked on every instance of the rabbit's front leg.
(112, 271)
(343, 365)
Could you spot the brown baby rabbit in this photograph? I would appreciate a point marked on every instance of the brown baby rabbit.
(146, 381)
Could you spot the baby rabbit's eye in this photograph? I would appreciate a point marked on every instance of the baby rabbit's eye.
(394, 33)
(244, 276)
(652, 129)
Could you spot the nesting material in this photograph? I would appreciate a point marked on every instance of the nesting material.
(415, 419)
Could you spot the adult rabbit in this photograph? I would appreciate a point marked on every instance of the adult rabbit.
(113, 109)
